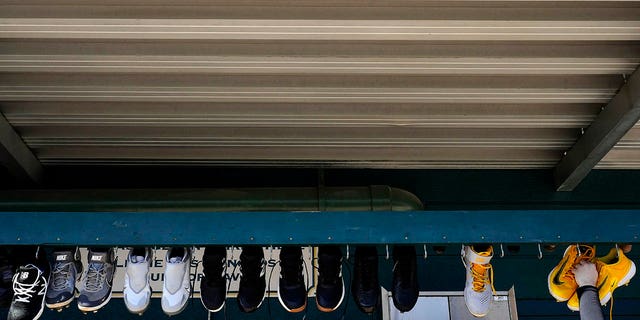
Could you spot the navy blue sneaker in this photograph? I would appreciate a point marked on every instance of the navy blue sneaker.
(292, 292)
(96, 285)
(252, 283)
(365, 287)
(67, 269)
(330, 287)
(213, 287)
(405, 289)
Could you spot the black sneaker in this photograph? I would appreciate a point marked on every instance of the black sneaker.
(405, 287)
(29, 289)
(292, 292)
(67, 269)
(97, 282)
(252, 283)
(213, 287)
(330, 287)
(365, 287)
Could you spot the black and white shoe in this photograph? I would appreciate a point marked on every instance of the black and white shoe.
(365, 287)
(292, 292)
(97, 282)
(67, 269)
(405, 289)
(29, 289)
(252, 283)
(213, 287)
(330, 287)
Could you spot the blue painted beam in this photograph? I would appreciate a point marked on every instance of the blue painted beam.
(266, 228)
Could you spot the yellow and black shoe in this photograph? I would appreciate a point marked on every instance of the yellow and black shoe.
(614, 270)
(561, 281)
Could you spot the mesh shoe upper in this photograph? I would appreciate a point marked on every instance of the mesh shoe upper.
(330, 287)
(137, 291)
(252, 283)
(405, 289)
(177, 286)
(213, 287)
(29, 287)
(97, 282)
(365, 287)
(478, 290)
(292, 292)
(62, 284)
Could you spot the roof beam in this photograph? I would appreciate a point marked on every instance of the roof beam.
(16, 156)
(620, 115)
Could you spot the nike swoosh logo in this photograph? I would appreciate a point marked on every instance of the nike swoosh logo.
(603, 282)
(556, 278)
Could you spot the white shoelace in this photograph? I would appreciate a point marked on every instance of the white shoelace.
(24, 292)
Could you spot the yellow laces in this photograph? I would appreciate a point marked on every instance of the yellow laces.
(482, 274)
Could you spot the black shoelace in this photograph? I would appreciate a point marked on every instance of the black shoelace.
(291, 270)
(330, 270)
(369, 274)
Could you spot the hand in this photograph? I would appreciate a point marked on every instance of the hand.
(585, 273)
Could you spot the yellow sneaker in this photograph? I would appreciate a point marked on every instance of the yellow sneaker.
(614, 270)
(561, 281)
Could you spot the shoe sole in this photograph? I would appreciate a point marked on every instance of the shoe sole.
(173, 313)
(294, 310)
(59, 305)
(324, 309)
(215, 310)
(243, 309)
(96, 308)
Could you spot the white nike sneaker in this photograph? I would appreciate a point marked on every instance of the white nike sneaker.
(478, 290)
(177, 285)
(137, 291)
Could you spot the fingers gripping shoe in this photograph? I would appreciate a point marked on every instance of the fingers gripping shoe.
(292, 291)
(330, 288)
(67, 270)
(29, 288)
(213, 287)
(614, 270)
(176, 288)
(561, 281)
(137, 290)
(478, 290)
(97, 282)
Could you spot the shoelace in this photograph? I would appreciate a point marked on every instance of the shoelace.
(61, 273)
(95, 278)
(330, 271)
(482, 274)
(23, 292)
(214, 274)
(368, 274)
(291, 270)
(586, 255)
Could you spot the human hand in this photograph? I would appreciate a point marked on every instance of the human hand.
(585, 274)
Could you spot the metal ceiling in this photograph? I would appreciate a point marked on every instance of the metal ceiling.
(344, 83)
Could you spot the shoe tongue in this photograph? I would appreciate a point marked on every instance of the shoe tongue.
(99, 257)
(63, 256)
(28, 274)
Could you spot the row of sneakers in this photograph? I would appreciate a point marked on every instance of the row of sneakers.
(31, 282)
(614, 270)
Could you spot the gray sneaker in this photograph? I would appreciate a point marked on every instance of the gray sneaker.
(96, 285)
(67, 269)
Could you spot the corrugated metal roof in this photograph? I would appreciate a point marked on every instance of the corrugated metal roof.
(421, 84)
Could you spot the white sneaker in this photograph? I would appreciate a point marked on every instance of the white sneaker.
(137, 291)
(177, 285)
(478, 290)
